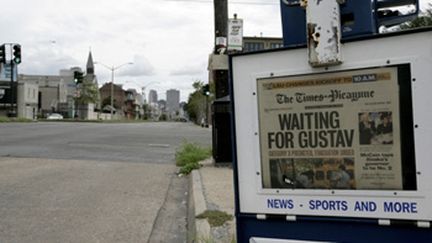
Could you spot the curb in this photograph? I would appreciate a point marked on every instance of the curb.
(198, 229)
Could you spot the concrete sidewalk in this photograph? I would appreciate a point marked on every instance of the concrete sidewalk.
(211, 188)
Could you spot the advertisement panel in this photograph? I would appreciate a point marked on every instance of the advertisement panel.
(331, 131)
(5, 72)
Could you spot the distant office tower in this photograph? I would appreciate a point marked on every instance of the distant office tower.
(162, 105)
(152, 96)
(173, 102)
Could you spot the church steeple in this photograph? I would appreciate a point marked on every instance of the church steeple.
(90, 64)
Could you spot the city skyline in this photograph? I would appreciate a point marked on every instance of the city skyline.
(168, 41)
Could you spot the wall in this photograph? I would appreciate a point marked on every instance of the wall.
(27, 100)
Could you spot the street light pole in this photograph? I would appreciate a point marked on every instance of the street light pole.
(112, 69)
(145, 86)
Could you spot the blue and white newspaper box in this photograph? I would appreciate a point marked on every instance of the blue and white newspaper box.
(335, 153)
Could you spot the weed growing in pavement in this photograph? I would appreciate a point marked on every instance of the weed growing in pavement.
(188, 156)
(215, 218)
(210, 240)
(188, 168)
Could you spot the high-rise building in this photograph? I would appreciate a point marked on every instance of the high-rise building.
(173, 102)
(152, 97)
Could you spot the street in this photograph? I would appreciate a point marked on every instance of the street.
(92, 182)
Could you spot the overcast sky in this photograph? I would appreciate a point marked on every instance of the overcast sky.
(167, 40)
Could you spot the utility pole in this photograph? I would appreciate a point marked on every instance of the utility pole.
(220, 76)
(218, 68)
(221, 18)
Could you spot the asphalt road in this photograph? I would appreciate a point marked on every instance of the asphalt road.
(90, 182)
(129, 142)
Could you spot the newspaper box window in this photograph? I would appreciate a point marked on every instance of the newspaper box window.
(333, 131)
(343, 141)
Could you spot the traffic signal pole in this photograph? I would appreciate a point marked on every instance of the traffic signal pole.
(15, 58)
(12, 112)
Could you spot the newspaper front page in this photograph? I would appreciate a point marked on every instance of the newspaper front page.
(331, 131)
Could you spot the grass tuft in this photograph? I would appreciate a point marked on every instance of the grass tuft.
(188, 168)
(215, 218)
(191, 153)
(19, 119)
(188, 156)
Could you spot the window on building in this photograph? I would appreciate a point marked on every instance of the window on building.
(253, 46)
(275, 45)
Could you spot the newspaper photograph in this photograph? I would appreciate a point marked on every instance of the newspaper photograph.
(331, 131)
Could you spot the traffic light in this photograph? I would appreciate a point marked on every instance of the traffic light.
(205, 90)
(17, 54)
(78, 77)
(2, 54)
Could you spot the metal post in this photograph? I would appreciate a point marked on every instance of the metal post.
(112, 92)
(324, 32)
(112, 68)
(11, 94)
(12, 112)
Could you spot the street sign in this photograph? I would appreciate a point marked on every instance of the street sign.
(5, 72)
(327, 153)
(235, 34)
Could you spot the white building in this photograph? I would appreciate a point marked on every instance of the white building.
(27, 100)
(52, 92)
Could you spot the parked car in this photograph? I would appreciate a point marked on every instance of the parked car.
(54, 116)
(181, 119)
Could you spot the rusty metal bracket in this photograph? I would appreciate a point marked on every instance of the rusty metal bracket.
(323, 32)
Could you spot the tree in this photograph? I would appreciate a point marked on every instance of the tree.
(89, 93)
(425, 19)
(146, 110)
(196, 106)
